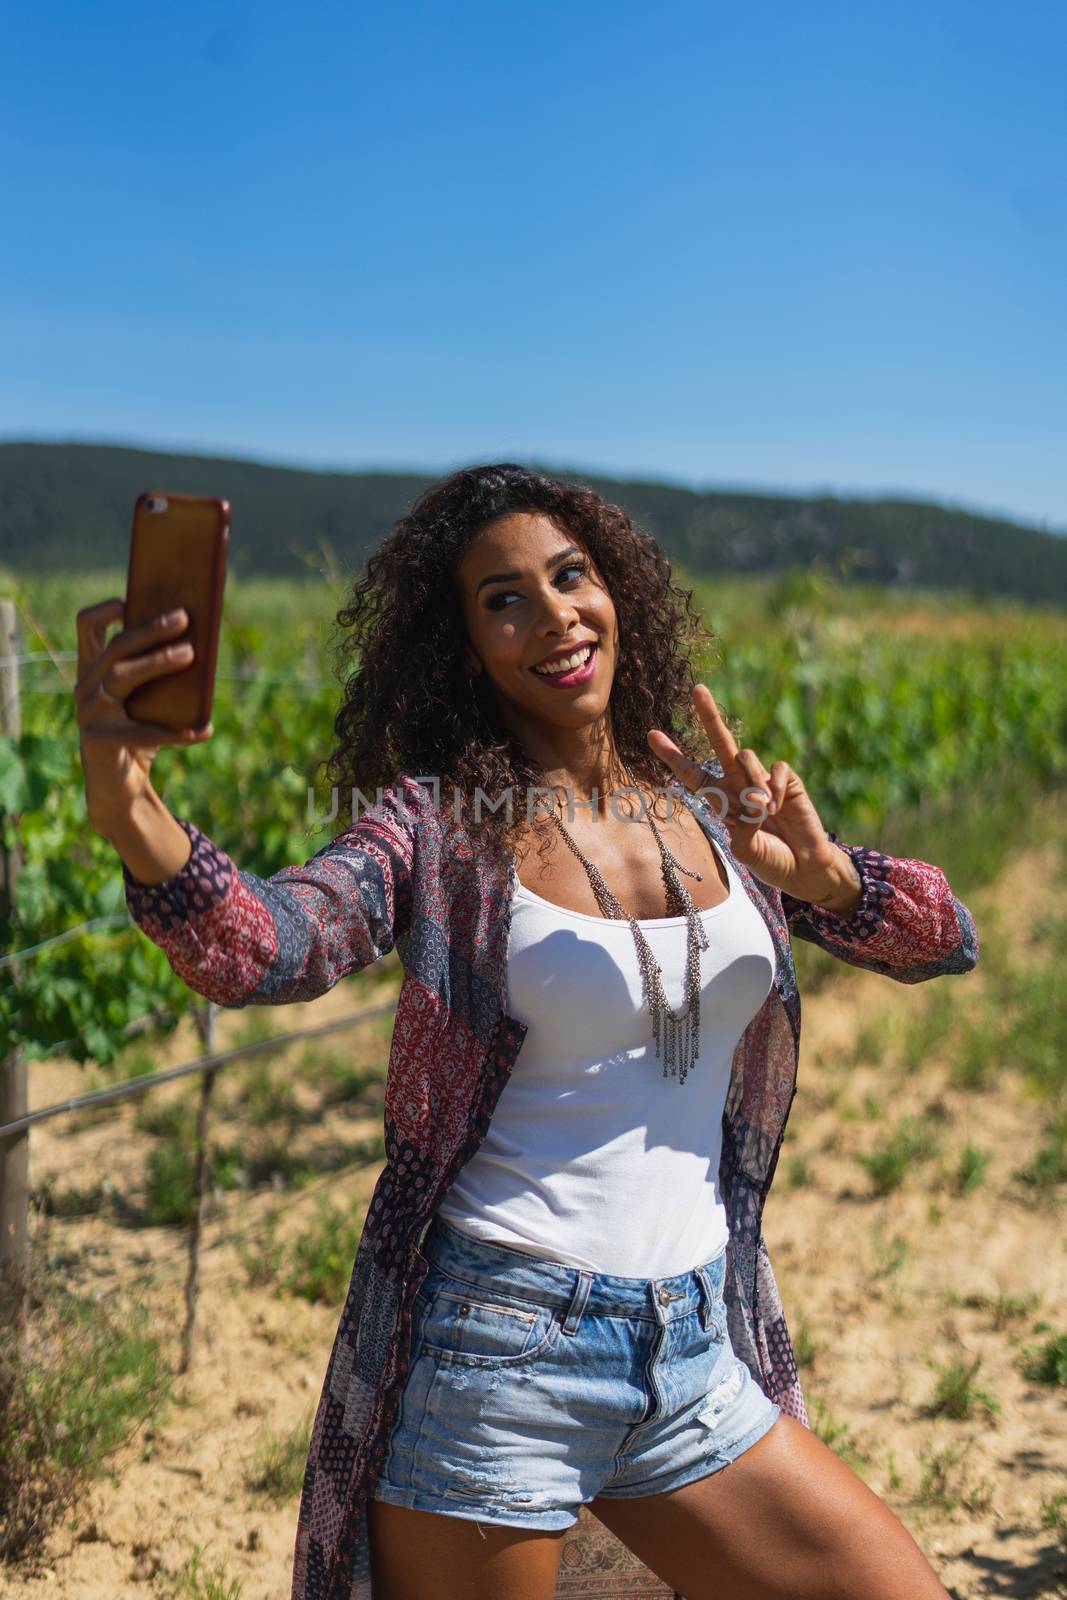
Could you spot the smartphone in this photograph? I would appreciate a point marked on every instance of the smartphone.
(178, 551)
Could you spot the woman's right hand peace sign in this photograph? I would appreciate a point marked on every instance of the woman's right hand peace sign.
(787, 846)
(117, 751)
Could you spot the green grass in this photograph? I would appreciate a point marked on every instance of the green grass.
(977, 1057)
(1047, 1167)
(928, 1028)
(169, 1196)
(837, 1435)
(135, 1061)
(263, 1256)
(271, 1159)
(1021, 1031)
(1046, 1362)
(798, 1173)
(1035, 1043)
(973, 831)
(970, 1170)
(259, 1024)
(352, 1073)
(889, 1255)
(805, 1346)
(942, 1484)
(939, 1470)
(266, 1098)
(1052, 928)
(912, 1140)
(870, 1046)
(86, 1201)
(317, 1265)
(174, 1120)
(321, 1260)
(276, 1472)
(1004, 1308)
(169, 1184)
(956, 1395)
(1037, 1040)
(348, 1082)
(88, 1374)
(194, 1582)
(1054, 1516)
(261, 1157)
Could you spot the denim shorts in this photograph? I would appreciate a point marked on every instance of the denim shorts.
(534, 1387)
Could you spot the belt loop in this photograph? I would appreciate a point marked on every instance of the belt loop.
(709, 1297)
(572, 1320)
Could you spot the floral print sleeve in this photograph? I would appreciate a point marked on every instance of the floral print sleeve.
(240, 940)
(908, 925)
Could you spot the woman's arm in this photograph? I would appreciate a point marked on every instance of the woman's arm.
(240, 940)
(897, 917)
(151, 842)
(908, 924)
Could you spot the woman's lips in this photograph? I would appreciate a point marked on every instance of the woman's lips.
(565, 680)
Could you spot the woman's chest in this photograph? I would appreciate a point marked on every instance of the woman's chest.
(581, 983)
(629, 859)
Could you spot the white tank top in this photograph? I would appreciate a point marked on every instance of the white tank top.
(592, 1157)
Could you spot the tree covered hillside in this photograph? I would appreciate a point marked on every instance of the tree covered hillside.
(68, 506)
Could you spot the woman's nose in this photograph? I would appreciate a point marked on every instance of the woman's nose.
(558, 612)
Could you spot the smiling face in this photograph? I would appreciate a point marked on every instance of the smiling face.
(531, 595)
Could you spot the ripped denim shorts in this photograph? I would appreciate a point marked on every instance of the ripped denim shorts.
(534, 1387)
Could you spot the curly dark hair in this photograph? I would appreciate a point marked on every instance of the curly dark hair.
(409, 700)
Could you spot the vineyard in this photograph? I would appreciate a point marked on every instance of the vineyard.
(923, 725)
(886, 708)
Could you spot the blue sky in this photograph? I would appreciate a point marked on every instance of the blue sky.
(785, 246)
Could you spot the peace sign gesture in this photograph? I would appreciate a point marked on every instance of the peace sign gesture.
(773, 825)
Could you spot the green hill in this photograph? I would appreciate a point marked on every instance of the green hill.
(67, 507)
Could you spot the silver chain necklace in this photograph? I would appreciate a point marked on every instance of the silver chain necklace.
(666, 1024)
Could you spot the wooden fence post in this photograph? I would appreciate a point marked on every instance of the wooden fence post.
(15, 1150)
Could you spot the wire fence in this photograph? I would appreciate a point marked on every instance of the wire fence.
(16, 1119)
(201, 1064)
(14, 1133)
(114, 918)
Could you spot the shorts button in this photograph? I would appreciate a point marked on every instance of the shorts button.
(463, 1310)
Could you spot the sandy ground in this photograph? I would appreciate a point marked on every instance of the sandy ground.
(876, 1313)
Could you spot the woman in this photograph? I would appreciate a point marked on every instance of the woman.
(562, 1305)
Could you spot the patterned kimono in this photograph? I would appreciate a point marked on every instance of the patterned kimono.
(406, 874)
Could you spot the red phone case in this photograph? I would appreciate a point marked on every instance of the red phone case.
(178, 558)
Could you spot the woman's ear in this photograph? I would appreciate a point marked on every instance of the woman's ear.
(471, 662)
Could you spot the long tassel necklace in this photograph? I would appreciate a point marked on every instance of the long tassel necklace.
(669, 1028)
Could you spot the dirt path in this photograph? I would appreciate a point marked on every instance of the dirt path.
(875, 1289)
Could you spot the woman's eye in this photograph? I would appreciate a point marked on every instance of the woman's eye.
(497, 600)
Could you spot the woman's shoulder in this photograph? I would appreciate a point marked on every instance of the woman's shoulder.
(398, 809)
(411, 805)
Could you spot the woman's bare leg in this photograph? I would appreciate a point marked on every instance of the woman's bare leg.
(788, 1520)
(425, 1555)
